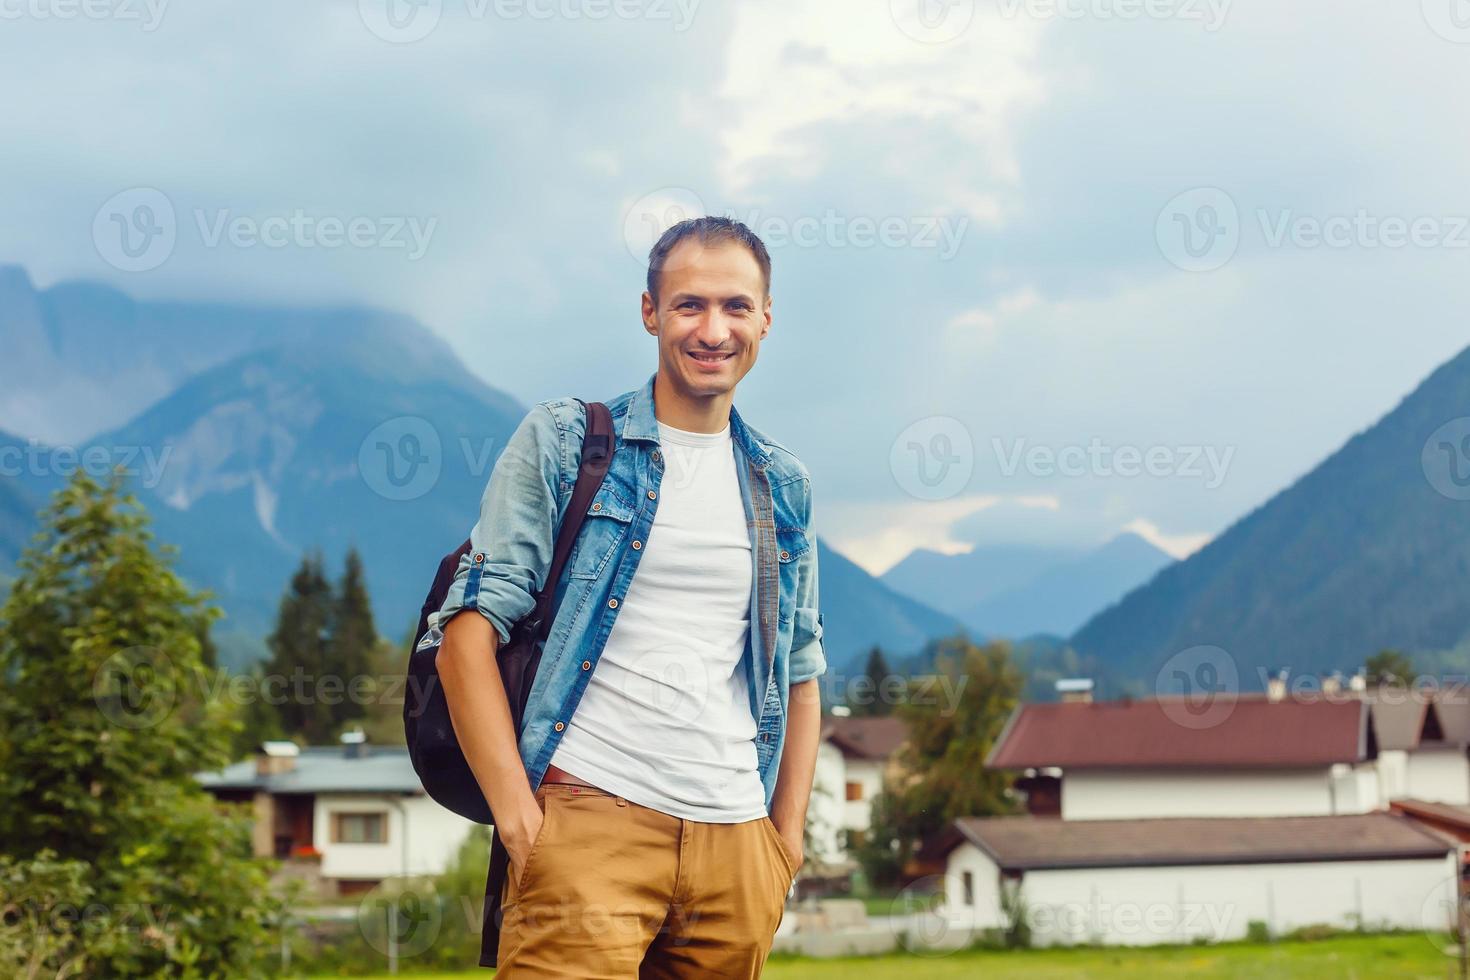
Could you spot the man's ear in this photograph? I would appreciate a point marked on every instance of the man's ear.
(650, 315)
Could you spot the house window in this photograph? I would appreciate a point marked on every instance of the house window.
(967, 886)
(854, 792)
(360, 828)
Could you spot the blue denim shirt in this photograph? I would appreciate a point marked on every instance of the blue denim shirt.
(523, 503)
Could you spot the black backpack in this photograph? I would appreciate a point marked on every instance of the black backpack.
(436, 755)
(432, 745)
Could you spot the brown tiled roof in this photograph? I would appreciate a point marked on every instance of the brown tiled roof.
(1039, 843)
(865, 738)
(1248, 732)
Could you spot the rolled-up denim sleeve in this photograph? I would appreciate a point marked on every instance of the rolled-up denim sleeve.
(514, 535)
(808, 658)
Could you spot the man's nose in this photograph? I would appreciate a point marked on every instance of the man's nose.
(714, 332)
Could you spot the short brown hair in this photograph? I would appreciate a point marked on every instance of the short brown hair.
(710, 230)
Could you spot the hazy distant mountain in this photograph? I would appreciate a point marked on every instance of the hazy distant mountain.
(22, 493)
(859, 610)
(1066, 595)
(956, 583)
(1369, 550)
(82, 357)
(1015, 590)
(253, 435)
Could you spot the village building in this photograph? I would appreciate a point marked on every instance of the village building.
(344, 818)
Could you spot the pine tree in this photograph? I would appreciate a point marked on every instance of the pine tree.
(299, 675)
(102, 729)
(321, 671)
(350, 651)
(872, 701)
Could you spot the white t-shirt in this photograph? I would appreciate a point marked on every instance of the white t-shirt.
(665, 721)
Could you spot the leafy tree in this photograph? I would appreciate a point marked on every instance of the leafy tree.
(953, 720)
(1389, 667)
(101, 733)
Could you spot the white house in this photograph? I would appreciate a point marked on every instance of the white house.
(1422, 744)
(852, 759)
(1143, 882)
(1245, 757)
(359, 810)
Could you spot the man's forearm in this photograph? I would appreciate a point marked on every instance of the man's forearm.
(798, 762)
(480, 712)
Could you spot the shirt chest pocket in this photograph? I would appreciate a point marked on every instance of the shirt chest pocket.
(604, 530)
(791, 545)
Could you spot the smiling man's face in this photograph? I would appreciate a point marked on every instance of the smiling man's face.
(710, 316)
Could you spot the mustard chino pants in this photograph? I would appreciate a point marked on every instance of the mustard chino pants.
(612, 889)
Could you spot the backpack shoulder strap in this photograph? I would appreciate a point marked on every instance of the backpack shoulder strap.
(597, 453)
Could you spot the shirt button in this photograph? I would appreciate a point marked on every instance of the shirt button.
(656, 456)
(652, 494)
(785, 555)
(559, 726)
(586, 665)
(612, 603)
(637, 545)
(597, 506)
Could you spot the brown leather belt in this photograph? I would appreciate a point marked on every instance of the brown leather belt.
(556, 774)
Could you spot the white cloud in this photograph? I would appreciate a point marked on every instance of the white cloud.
(1179, 545)
(798, 68)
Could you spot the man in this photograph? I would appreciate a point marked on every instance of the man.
(653, 809)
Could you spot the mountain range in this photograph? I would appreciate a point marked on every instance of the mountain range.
(1019, 591)
(1369, 550)
(256, 434)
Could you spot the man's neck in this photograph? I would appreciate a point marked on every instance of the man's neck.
(710, 414)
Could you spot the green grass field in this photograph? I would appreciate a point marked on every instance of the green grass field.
(1410, 956)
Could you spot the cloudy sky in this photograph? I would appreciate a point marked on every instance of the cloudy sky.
(1044, 269)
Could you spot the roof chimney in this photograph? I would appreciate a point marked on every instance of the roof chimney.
(1276, 686)
(1332, 683)
(274, 758)
(354, 744)
(1075, 690)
